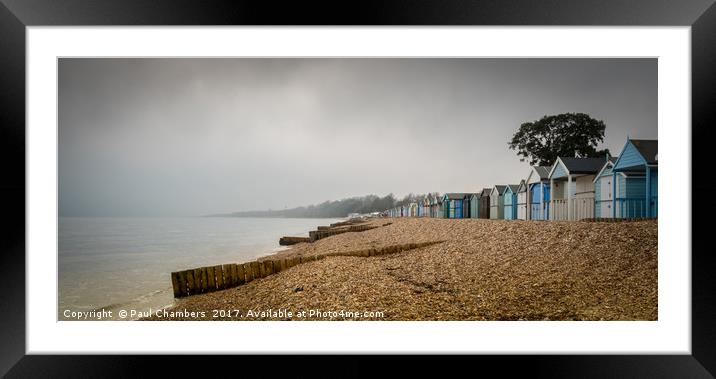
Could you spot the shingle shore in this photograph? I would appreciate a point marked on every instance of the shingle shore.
(485, 270)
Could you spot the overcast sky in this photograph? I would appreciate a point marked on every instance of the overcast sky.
(170, 137)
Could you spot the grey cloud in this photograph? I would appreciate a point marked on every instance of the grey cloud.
(198, 136)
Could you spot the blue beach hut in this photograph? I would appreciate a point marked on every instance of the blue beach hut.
(509, 198)
(538, 193)
(635, 180)
(453, 205)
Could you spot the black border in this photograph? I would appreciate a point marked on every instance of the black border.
(15, 15)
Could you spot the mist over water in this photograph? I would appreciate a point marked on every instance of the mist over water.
(125, 263)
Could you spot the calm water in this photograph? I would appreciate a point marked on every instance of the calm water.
(125, 263)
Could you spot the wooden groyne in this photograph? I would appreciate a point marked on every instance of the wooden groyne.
(316, 235)
(287, 241)
(327, 231)
(219, 277)
(344, 223)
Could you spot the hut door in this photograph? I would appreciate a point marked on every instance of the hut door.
(605, 197)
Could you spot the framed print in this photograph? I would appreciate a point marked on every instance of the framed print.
(472, 179)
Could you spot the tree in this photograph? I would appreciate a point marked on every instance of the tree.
(563, 135)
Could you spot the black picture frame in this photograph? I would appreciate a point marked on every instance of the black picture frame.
(16, 15)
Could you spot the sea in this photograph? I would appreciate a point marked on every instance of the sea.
(125, 263)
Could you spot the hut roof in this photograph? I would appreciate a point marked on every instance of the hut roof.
(542, 171)
(523, 186)
(607, 164)
(648, 148)
(500, 188)
(455, 195)
(583, 165)
(513, 187)
(486, 192)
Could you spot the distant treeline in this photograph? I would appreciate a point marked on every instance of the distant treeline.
(338, 208)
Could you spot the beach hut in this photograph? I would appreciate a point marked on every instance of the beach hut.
(475, 205)
(484, 208)
(412, 209)
(538, 188)
(467, 205)
(497, 205)
(436, 206)
(635, 180)
(509, 200)
(453, 205)
(440, 213)
(426, 207)
(522, 201)
(604, 190)
(572, 187)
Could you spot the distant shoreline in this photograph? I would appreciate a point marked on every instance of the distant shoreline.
(231, 215)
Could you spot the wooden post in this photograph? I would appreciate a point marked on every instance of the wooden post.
(182, 283)
(219, 277)
(229, 276)
(204, 279)
(175, 284)
(262, 269)
(190, 285)
(234, 275)
(211, 276)
(255, 270)
(240, 274)
(197, 280)
(248, 272)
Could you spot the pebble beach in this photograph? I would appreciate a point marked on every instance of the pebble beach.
(476, 269)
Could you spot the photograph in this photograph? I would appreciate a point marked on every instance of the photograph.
(357, 189)
(478, 179)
